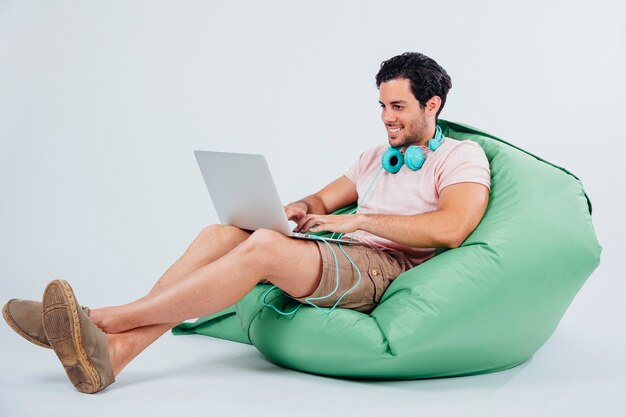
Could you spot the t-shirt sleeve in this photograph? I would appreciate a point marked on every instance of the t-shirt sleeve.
(355, 170)
(466, 163)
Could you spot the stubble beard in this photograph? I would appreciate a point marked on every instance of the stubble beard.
(412, 138)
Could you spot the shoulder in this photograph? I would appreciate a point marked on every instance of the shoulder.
(461, 161)
(453, 150)
(452, 146)
(373, 154)
(366, 161)
(376, 150)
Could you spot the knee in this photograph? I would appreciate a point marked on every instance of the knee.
(214, 231)
(262, 241)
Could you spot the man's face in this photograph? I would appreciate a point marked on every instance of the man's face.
(405, 121)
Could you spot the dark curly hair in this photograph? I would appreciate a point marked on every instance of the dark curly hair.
(427, 78)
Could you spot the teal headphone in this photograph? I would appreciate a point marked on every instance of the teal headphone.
(413, 156)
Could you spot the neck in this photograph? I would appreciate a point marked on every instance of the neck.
(428, 135)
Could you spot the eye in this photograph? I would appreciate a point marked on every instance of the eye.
(397, 107)
(382, 106)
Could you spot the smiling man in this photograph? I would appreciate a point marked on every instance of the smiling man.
(417, 192)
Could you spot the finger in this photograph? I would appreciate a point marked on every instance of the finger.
(300, 213)
(331, 224)
(302, 222)
(294, 213)
(325, 227)
(309, 223)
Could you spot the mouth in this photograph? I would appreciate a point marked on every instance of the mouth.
(393, 131)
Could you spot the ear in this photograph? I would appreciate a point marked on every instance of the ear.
(433, 105)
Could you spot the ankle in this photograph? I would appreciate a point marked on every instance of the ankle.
(119, 352)
(109, 320)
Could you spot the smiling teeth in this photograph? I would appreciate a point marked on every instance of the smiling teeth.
(394, 130)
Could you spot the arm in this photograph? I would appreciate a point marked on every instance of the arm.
(335, 195)
(460, 209)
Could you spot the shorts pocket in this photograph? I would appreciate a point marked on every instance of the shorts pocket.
(394, 266)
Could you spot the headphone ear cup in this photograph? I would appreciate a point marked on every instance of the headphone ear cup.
(414, 157)
(435, 142)
(392, 160)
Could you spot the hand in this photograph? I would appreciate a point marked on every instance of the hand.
(295, 213)
(338, 223)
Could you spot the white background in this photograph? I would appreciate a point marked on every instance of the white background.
(103, 103)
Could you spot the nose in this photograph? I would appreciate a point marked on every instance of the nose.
(388, 116)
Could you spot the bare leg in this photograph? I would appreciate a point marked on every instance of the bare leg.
(266, 254)
(293, 265)
(212, 243)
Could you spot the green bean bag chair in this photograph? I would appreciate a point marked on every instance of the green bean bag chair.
(483, 307)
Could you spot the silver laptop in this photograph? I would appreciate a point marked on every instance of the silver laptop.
(244, 194)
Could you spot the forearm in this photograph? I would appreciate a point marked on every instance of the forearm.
(461, 207)
(436, 229)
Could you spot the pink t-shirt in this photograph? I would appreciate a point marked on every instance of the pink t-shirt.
(414, 192)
